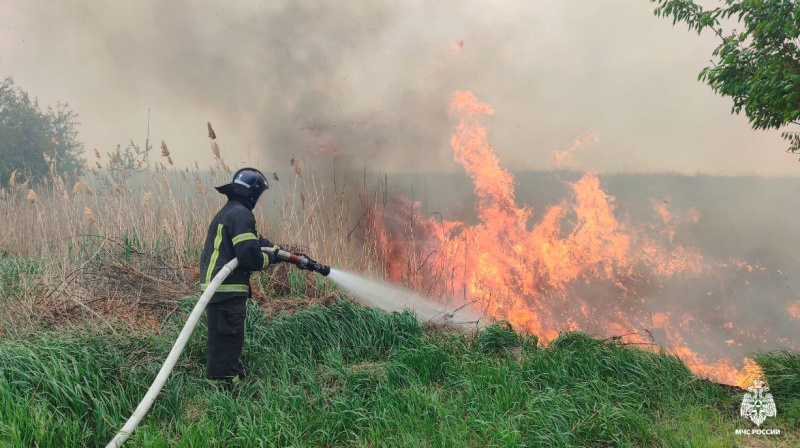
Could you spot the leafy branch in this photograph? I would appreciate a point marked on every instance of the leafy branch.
(759, 67)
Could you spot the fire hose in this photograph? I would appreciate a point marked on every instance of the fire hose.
(300, 260)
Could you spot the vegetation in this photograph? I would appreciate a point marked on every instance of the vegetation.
(36, 141)
(343, 375)
(783, 370)
(757, 66)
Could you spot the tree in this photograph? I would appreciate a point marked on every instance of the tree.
(759, 66)
(28, 134)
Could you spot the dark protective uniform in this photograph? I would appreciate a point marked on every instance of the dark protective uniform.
(232, 233)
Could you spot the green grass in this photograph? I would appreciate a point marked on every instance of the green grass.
(342, 375)
(16, 273)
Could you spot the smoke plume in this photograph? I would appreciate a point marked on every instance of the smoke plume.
(369, 82)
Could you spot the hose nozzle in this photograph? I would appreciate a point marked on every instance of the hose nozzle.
(302, 261)
(311, 265)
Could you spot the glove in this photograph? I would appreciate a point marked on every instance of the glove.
(271, 257)
(263, 242)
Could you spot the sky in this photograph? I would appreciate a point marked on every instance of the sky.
(368, 83)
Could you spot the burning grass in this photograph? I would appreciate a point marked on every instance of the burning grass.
(581, 266)
(342, 375)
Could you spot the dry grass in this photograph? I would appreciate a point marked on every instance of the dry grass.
(167, 210)
(123, 248)
(140, 292)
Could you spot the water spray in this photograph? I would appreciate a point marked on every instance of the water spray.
(392, 298)
(376, 294)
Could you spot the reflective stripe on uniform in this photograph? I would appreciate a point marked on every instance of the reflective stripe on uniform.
(244, 237)
(213, 262)
(266, 260)
(227, 288)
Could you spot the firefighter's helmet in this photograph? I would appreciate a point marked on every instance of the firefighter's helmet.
(247, 182)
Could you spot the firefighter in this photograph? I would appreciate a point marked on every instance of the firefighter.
(232, 233)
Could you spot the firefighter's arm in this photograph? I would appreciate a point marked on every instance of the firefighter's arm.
(267, 243)
(247, 244)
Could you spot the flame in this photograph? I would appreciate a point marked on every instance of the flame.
(565, 160)
(794, 311)
(575, 268)
(671, 220)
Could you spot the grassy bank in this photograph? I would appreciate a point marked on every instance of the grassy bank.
(342, 375)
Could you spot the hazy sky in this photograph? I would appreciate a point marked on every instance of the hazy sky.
(372, 81)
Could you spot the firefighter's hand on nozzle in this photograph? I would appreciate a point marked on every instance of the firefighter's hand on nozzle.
(271, 256)
(271, 251)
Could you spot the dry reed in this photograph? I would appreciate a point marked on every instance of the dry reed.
(164, 212)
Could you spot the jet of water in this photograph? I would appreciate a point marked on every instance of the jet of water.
(388, 297)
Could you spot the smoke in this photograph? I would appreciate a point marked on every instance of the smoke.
(369, 82)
